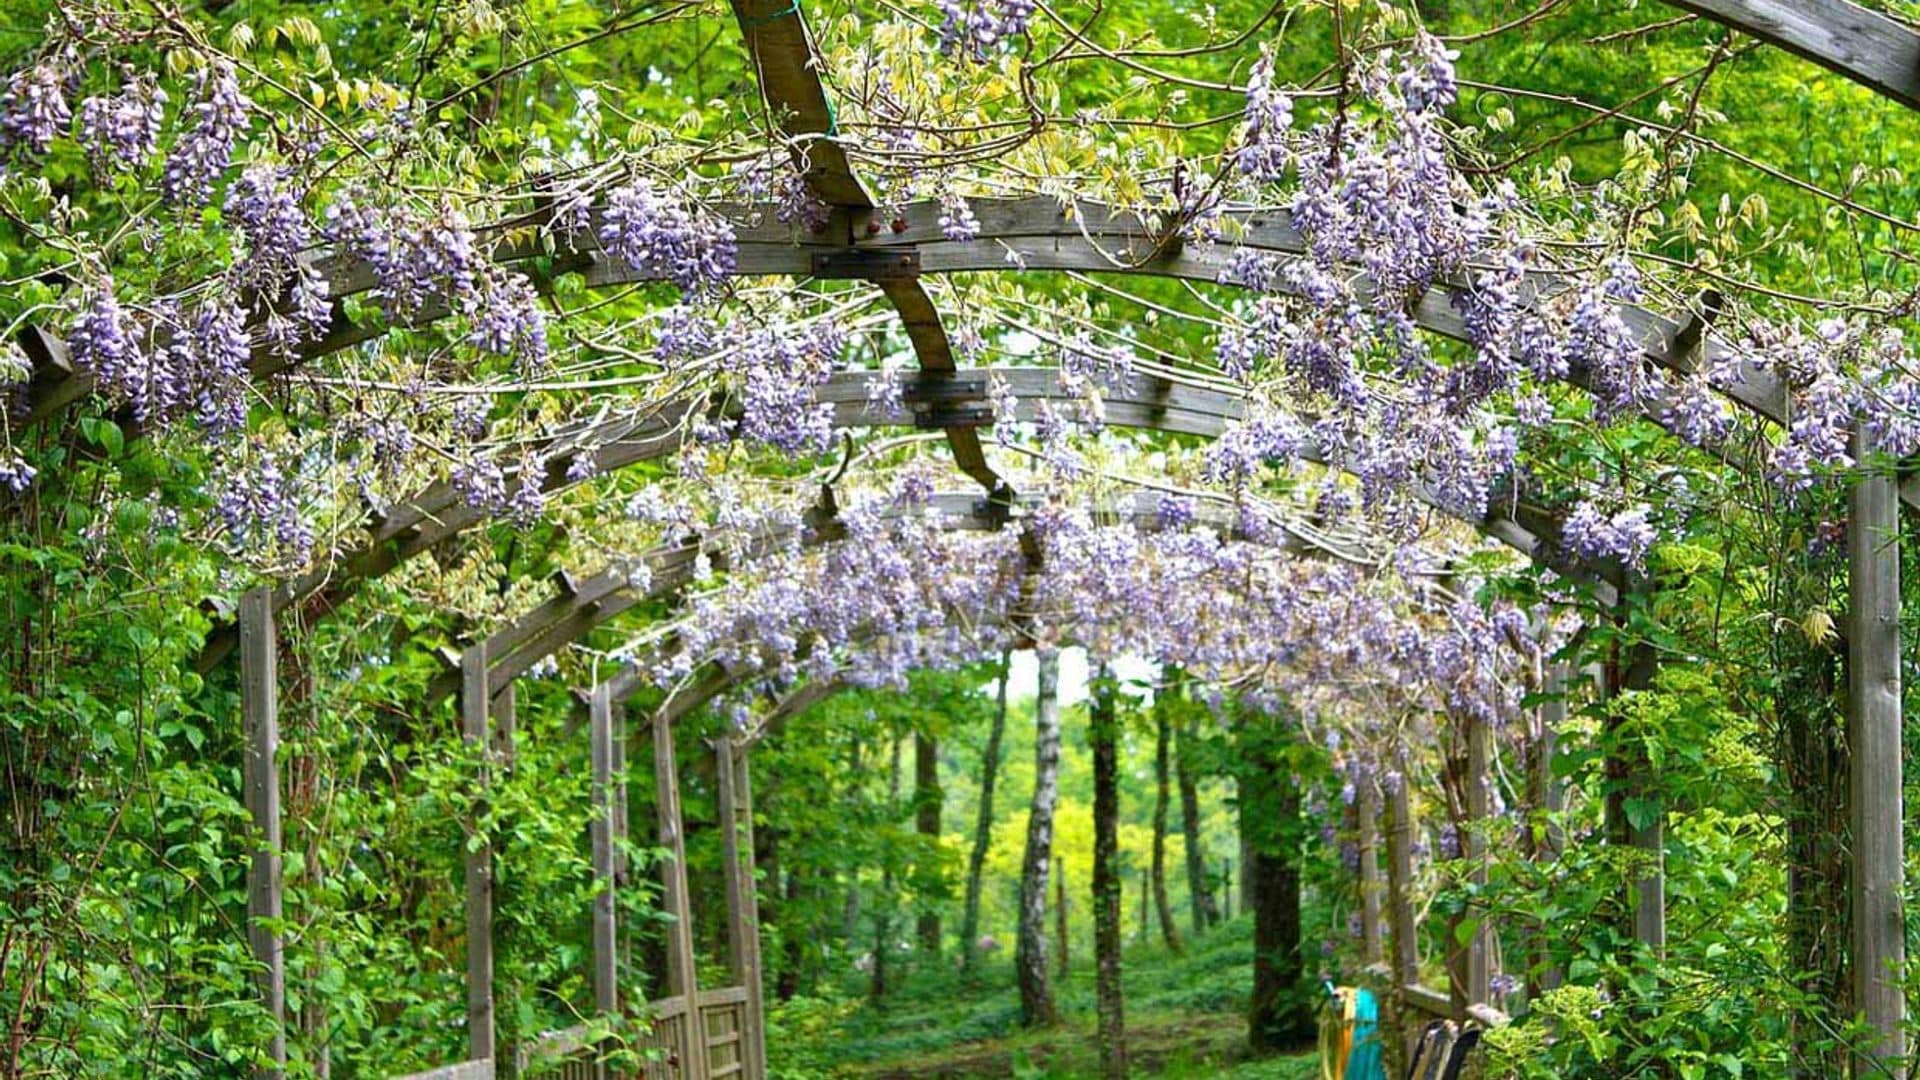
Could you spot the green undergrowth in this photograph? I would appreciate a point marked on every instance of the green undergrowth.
(1185, 1019)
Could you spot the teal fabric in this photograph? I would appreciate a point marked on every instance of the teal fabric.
(1364, 1061)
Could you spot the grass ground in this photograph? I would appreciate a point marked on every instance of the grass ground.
(1185, 1021)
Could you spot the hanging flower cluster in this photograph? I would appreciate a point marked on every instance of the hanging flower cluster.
(976, 27)
(657, 234)
(899, 590)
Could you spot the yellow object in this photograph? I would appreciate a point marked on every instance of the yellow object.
(1336, 1035)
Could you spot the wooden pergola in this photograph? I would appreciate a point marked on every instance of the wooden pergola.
(700, 1025)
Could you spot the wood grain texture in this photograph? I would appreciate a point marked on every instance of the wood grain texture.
(1874, 729)
(682, 966)
(260, 715)
(474, 731)
(1865, 46)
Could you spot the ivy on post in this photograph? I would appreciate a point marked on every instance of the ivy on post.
(1479, 781)
(1874, 721)
(260, 711)
(1635, 814)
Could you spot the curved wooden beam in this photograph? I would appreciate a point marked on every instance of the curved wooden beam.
(579, 608)
(1146, 401)
(787, 68)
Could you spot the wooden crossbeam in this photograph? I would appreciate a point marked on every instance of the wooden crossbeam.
(1865, 46)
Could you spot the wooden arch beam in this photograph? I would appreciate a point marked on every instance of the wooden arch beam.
(787, 67)
(1146, 401)
(581, 607)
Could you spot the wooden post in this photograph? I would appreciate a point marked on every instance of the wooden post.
(623, 949)
(682, 974)
(1406, 952)
(606, 986)
(260, 715)
(1405, 965)
(473, 730)
(743, 903)
(1479, 775)
(1366, 814)
(505, 723)
(1873, 734)
(1650, 891)
(1549, 798)
(1627, 777)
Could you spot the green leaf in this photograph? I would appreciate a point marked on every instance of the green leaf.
(1642, 813)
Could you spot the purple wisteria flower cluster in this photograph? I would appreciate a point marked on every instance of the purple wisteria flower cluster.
(656, 233)
(174, 363)
(901, 591)
(34, 108)
(1625, 536)
(123, 130)
(974, 28)
(220, 116)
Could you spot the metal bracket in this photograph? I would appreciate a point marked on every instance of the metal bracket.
(867, 264)
(938, 415)
(945, 387)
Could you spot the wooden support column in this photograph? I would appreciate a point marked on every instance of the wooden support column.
(682, 974)
(606, 986)
(743, 899)
(1400, 922)
(1479, 782)
(1548, 798)
(505, 716)
(1628, 798)
(1367, 822)
(1650, 891)
(1404, 968)
(1873, 735)
(260, 714)
(474, 704)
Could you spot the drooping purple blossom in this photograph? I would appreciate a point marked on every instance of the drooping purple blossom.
(974, 28)
(957, 222)
(124, 130)
(1625, 536)
(33, 107)
(1263, 155)
(654, 233)
(220, 116)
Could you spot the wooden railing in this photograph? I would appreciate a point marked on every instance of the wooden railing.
(723, 1021)
(465, 1070)
(663, 1046)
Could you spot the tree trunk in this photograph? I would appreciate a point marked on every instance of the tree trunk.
(1199, 885)
(1280, 1016)
(927, 798)
(883, 911)
(1103, 734)
(983, 826)
(1061, 951)
(1030, 954)
(1247, 883)
(1169, 930)
(850, 914)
